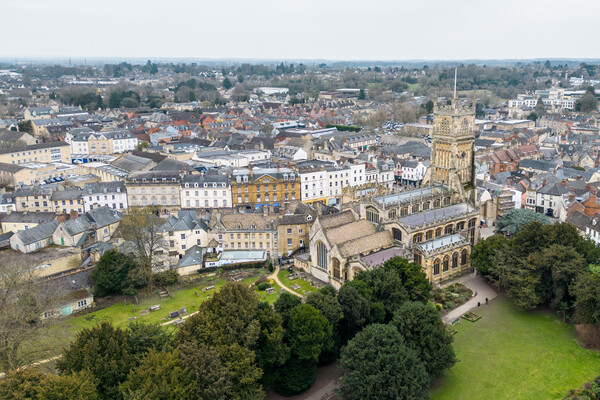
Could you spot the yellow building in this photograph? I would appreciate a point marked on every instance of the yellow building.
(294, 227)
(154, 188)
(36, 198)
(256, 187)
(245, 231)
(41, 152)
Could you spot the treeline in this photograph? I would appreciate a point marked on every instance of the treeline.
(545, 265)
(389, 338)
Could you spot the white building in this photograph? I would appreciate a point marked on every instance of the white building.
(104, 194)
(413, 172)
(183, 232)
(227, 158)
(205, 191)
(550, 200)
(123, 141)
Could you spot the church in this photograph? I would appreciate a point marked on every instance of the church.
(435, 225)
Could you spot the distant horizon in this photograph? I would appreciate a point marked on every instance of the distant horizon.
(99, 60)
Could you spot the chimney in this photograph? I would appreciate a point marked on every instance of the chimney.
(73, 214)
(571, 197)
(61, 218)
(544, 182)
(564, 183)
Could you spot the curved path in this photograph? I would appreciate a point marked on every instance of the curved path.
(481, 289)
(276, 279)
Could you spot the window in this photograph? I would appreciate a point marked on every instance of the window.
(82, 303)
(436, 267)
(445, 263)
(455, 260)
(463, 257)
(321, 255)
(289, 231)
(372, 215)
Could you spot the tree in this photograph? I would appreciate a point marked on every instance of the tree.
(540, 107)
(141, 229)
(228, 323)
(142, 145)
(325, 300)
(429, 106)
(271, 351)
(104, 351)
(142, 338)
(361, 94)
(514, 220)
(423, 330)
(589, 101)
(483, 253)
(32, 384)
(378, 365)
(285, 304)
(22, 303)
(159, 376)
(227, 84)
(356, 310)
(532, 116)
(111, 274)
(587, 298)
(25, 126)
(297, 376)
(412, 276)
(309, 332)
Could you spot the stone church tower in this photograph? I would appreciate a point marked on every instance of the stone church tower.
(453, 147)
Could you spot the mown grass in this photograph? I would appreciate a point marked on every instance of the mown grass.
(305, 286)
(513, 354)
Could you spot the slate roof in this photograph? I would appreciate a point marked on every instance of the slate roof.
(37, 233)
(440, 242)
(99, 187)
(431, 216)
(193, 256)
(554, 190)
(29, 217)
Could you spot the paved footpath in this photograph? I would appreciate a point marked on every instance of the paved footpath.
(276, 279)
(478, 285)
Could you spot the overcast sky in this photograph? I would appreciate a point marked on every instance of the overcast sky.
(301, 29)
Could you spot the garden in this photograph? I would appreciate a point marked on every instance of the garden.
(451, 296)
(295, 283)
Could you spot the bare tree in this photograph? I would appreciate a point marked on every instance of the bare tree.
(23, 300)
(141, 229)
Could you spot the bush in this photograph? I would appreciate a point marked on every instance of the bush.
(448, 305)
(260, 280)
(165, 278)
(262, 286)
(296, 376)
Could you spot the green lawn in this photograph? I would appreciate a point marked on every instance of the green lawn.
(65, 329)
(305, 286)
(512, 354)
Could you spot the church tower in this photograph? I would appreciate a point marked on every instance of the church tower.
(453, 146)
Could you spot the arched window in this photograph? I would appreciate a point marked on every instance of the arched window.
(455, 260)
(418, 238)
(415, 208)
(463, 257)
(336, 270)
(392, 214)
(417, 258)
(471, 232)
(464, 127)
(460, 226)
(436, 267)
(446, 263)
(321, 255)
(436, 203)
(448, 229)
(426, 206)
(429, 235)
(446, 200)
(404, 211)
(445, 126)
(438, 232)
(397, 234)
(372, 215)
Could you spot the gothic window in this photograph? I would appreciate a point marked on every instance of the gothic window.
(464, 127)
(471, 233)
(436, 267)
(436, 203)
(417, 258)
(460, 226)
(337, 273)
(426, 206)
(455, 260)
(446, 200)
(415, 208)
(404, 212)
(445, 264)
(418, 238)
(321, 255)
(392, 214)
(438, 232)
(448, 230)
(397, 234)
(445, 126)
(463, 258)
(429, 235)
(372, 215)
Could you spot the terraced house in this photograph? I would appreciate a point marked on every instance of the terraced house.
(159, 189)
(256, 187)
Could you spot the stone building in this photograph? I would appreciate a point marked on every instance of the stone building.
(257, 187)
(159, 189)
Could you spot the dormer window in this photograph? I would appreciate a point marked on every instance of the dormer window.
(205, 185)
(196, 184)
(309, 217)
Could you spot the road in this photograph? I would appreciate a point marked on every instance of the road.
(276, 279)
